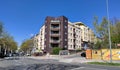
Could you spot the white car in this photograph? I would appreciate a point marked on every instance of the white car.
(28, 54)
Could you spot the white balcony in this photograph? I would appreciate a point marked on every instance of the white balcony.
(55, 34)
(55, 28)
(54, 41)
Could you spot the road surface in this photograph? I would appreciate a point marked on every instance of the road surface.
(25, 63)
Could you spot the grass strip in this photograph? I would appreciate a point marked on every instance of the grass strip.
(104, 63)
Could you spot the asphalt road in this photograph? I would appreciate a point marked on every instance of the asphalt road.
(24, 63)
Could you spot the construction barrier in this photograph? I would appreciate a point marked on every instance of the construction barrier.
(96, 54)
(88, 54)
(104, 54)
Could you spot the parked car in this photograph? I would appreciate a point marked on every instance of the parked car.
(1, 55)
(83, 54)
(28, 54)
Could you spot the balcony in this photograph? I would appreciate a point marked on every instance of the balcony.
(54, 41)
(55, 22)
(55, 28)
(54, 34)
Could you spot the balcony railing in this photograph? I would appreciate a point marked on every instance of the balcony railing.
(55, 34)
(55, 28)
(55, 22)
(54, 41)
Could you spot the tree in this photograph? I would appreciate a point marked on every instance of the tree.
(115, 31)
(97, 45)
(6, 40)
(56, 50)
(101, 31)
(27, 46)
(8, 43)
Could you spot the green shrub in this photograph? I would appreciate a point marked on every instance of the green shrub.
(78, 50)
(56, 50)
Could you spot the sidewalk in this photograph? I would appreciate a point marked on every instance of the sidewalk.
(71, 60)
(63, 59)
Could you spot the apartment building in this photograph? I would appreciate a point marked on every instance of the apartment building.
(42, 38)
(36, 42)
(74, 37)
(58, 32)
(87, 35)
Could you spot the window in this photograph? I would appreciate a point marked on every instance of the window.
(76, 35)
(71, 28)
(65, 26)
(65, 20)
(65, 46)
(65, 32)
(65, 39)
(76, 46)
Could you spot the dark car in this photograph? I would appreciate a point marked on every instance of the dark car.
(83, 54)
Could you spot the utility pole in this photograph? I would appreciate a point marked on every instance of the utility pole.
(109, 31)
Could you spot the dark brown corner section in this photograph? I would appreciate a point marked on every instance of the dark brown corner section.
(56, 33)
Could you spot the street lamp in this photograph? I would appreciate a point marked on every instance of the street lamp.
(109, 31)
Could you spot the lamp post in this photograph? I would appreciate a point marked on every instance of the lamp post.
(109, 32)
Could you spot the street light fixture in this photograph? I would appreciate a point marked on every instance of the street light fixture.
(109, 31)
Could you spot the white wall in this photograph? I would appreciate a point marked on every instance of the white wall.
(70, 37)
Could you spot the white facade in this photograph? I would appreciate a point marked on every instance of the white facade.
(36, 40)
(77, 37)
(74, 37)
(79, 34)
(70, 37)
(39, 39)
(42, 37)
(86, 33)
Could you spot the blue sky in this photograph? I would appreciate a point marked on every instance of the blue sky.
(22, 18)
